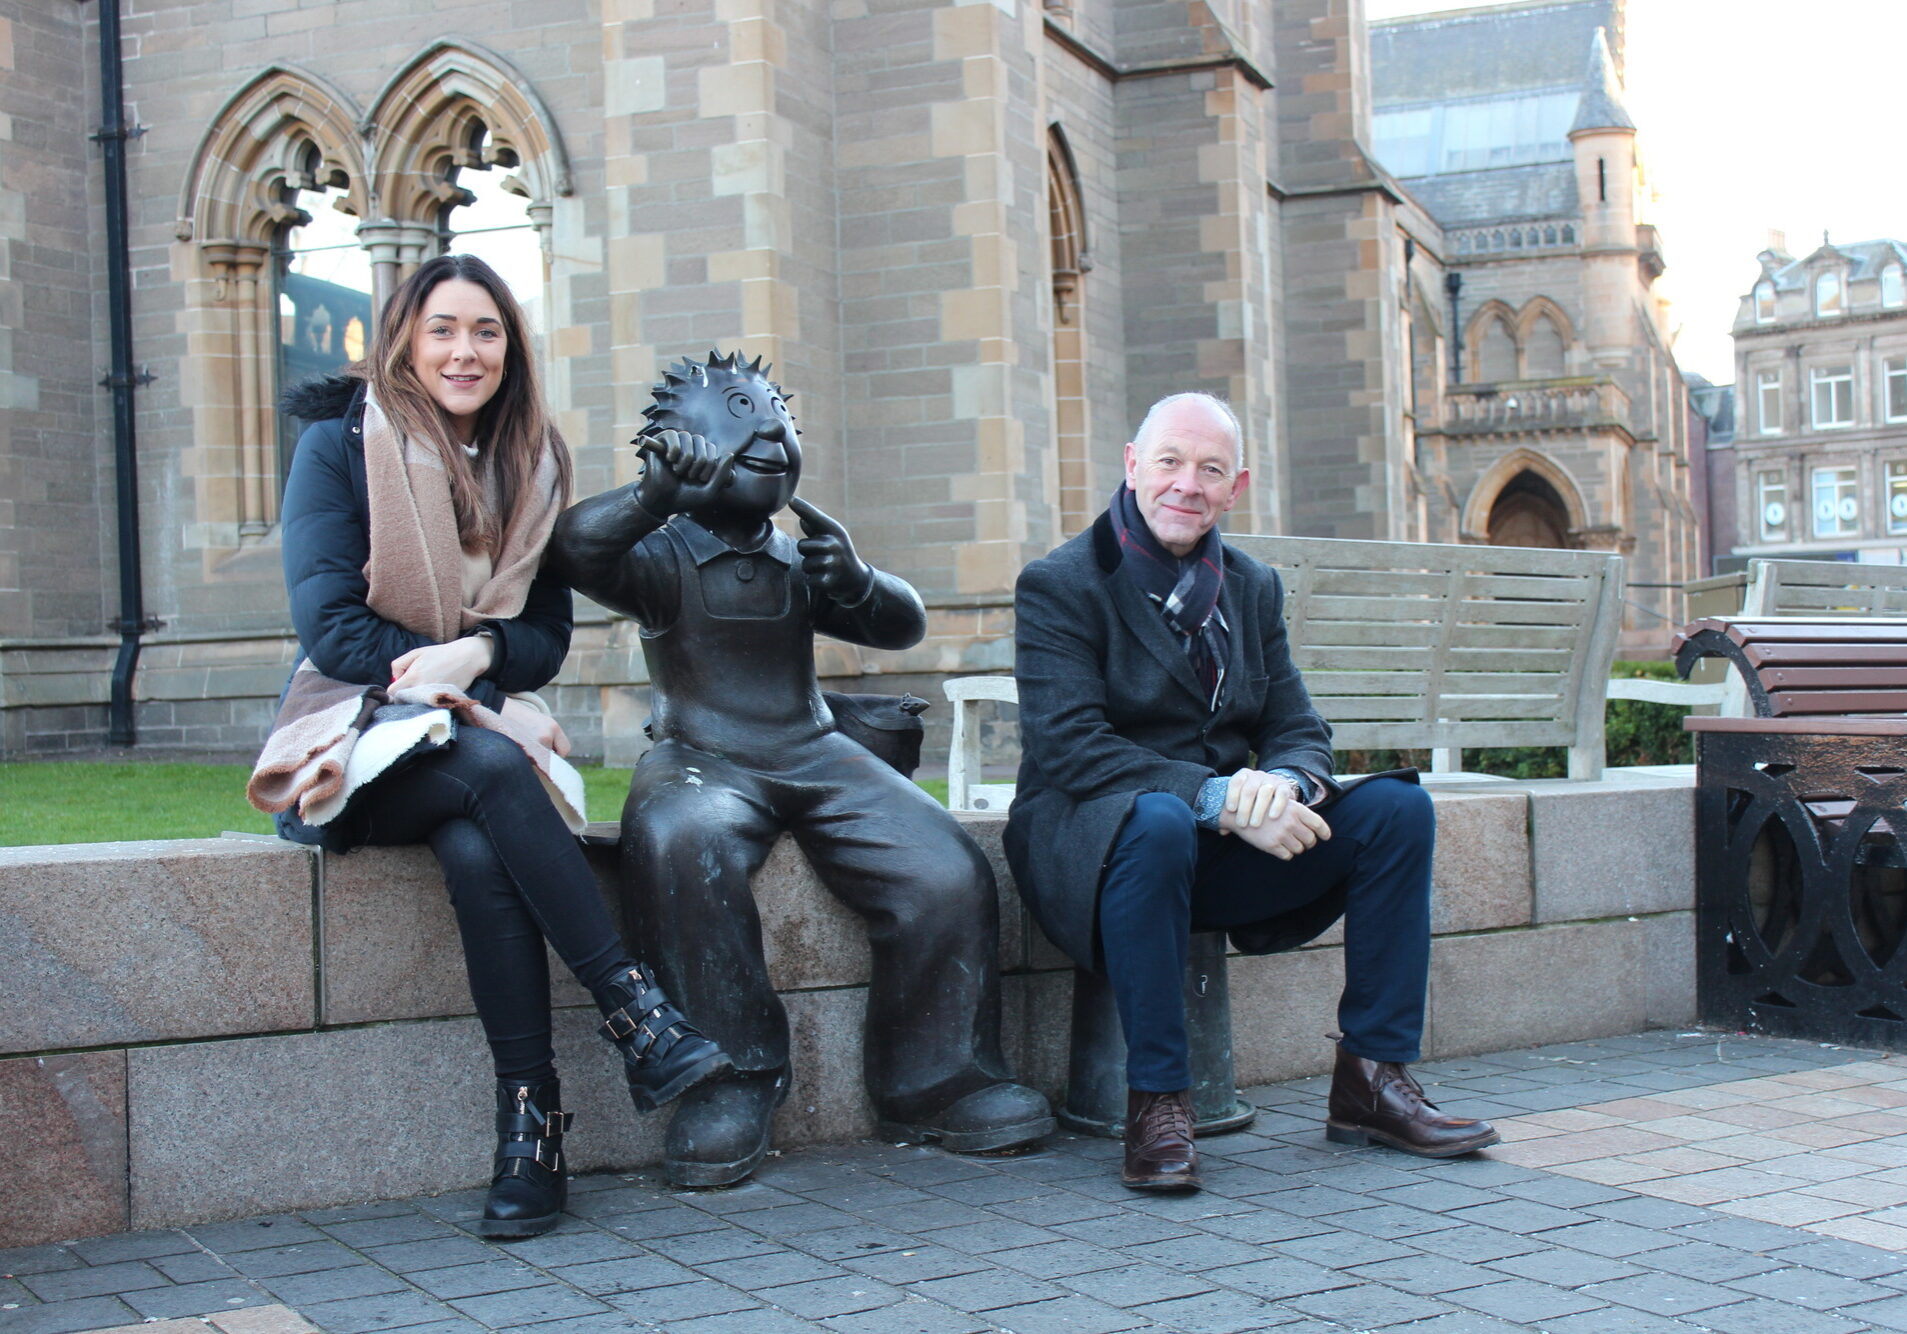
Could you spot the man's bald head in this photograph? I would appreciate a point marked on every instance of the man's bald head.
(1183, 468)
(1191, 408)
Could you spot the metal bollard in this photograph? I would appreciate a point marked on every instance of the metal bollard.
(1096, 1082)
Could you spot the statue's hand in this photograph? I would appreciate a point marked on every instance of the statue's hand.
(827, 556)
(681, 472)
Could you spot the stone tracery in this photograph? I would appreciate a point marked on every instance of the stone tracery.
(452, 106)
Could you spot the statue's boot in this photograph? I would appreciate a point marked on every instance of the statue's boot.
(719, 1133)
(663, 1054)
(1000, 1116)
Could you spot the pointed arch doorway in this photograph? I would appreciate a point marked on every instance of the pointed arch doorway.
(1529, 513)
(1526, 499)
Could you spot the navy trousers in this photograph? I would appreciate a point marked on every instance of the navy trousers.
(1167, 878)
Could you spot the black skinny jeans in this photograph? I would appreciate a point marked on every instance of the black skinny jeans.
(516, 879)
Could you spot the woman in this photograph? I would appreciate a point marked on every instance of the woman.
(414, 523)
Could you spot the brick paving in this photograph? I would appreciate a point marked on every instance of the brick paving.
(1649, 1184)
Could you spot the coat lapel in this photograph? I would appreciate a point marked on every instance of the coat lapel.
(1235, 650)
(1148, 626)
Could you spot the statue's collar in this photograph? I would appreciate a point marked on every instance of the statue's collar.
(705, 546)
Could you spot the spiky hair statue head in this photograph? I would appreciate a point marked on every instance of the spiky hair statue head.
(690, 391)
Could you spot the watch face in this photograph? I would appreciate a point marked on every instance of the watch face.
(1774, 513)
(1848, 509)
(1897, 505)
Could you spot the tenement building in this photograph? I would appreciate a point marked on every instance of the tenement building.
(976, 239)
(1819, 460)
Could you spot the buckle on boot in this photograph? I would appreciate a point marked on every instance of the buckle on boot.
(618, 1026)
(516, 1152)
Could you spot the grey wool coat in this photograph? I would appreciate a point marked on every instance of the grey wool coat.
(1110, 708)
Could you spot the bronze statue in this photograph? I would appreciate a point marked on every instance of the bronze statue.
(746, 747)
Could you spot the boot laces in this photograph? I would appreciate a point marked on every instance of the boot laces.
(1169, 1116)
(1405, 1081)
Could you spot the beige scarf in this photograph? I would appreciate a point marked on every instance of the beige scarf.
(416, 565)
(415, 574)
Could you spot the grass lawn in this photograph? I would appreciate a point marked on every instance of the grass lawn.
(106, 803)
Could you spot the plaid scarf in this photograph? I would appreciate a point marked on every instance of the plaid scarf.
(1185, 588)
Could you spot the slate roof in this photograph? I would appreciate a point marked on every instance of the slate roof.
(1475, 107)
(1865, 260)
(1499, 49)
(1601, 107)
(1508, 194)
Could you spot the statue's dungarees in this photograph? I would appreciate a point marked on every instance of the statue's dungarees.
(745, 749)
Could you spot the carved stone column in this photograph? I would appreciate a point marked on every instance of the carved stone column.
(237, 265)
(397, 248)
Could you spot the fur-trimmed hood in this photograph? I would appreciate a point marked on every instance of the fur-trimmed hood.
(322, 398)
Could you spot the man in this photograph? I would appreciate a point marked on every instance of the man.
(1174, 777)
(747, 748)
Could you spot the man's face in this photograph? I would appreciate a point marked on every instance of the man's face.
(1185, 476)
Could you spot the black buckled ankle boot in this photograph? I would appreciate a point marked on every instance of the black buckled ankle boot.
(530, 1187)
(663, 1054)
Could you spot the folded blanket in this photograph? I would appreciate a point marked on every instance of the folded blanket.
(331, 738)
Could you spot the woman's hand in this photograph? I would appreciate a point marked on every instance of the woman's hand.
(458, 663)
(537, 724)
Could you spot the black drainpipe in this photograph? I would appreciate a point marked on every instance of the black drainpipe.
(1453, 287)
(112, 137)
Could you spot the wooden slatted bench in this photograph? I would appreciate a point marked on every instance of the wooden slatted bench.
(1801, 875)
(1814, 588)
(1804, 668)
(1412, 645)
(1824, 588)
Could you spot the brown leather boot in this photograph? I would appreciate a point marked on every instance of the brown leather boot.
(1380, 1100)
(1159, 1150)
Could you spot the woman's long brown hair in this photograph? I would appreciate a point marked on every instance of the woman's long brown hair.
(514, 425)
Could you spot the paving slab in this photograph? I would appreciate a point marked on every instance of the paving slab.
(1297, 1234)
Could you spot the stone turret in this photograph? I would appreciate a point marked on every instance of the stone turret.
(1604, 138)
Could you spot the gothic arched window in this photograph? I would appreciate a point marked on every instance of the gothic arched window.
(1543, 350)
(280, 159)
(321, 294)
(290, 265)
(1496, 353)
(490, 219)
(1066, 222)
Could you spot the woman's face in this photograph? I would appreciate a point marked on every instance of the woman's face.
(457, 349)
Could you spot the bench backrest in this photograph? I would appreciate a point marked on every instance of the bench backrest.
(1824, 588)
(1807, 667)
(1421, 645)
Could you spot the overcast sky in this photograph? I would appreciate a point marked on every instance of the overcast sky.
(1756, 115)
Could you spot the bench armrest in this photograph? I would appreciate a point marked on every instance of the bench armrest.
(965, 791)
(1689, 694)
